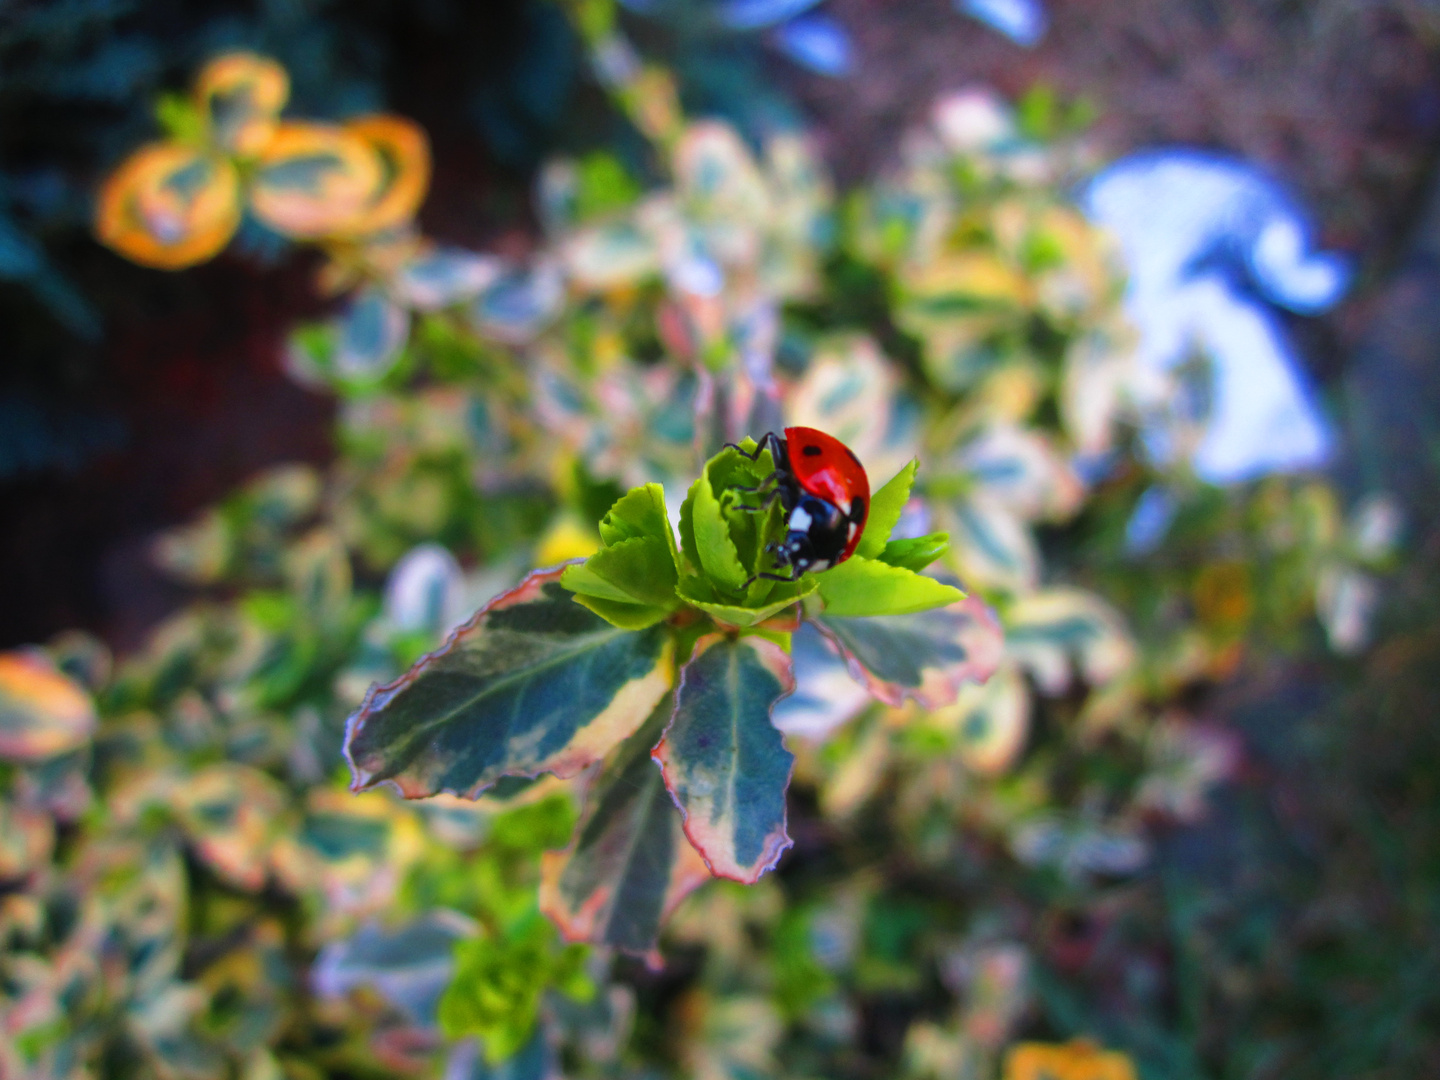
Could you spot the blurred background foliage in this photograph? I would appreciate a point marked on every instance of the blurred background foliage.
(1187, 829)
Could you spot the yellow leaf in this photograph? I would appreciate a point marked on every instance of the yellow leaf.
(240, 95)
(42, 712)
(404, 153)
(1078, 1059)
(169, 206)
(314, 180)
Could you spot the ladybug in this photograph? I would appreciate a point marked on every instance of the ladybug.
(823, 489)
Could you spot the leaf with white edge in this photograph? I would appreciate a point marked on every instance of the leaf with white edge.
(863, 587)
(991, 545)
(349, 852)
(43, 713)
(372, 333)
(532, 683)
(534, 1061)
(519, 303)
(826, 697)
(410, 966)
(1076, 847)
(724, 763)
(629, 863)
(886, 506)
(915, 552)
(444, 277)
(989, 721)
(1046, 631)
(851, 391)
(926, 656)
(229, 812)
(1023, 471)
(613, 254)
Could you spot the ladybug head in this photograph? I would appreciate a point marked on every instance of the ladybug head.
(815, 535)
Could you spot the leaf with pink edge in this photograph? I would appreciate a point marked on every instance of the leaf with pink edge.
(724, 762)
(532, 683)
(43, 713)
(629, 864)
(926, 656)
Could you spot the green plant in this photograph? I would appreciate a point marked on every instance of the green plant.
(562, 672)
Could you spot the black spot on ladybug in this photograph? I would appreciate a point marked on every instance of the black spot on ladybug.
(857, 507)
(853, 458)
(813, 451)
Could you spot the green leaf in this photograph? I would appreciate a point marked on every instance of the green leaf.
(724, 763)
(497, 987)
(533, 683)
(860, 587)
(536, 826)
(783, 595)
(641, 567)
(634, 579)
(629, 864)
(181, 120)
(623, 614)
(714, 546)
(926, 656)
(886, 506)
(639, 512)
(631, 581)
(916, 553)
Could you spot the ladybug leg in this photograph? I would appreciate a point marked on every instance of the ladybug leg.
(776, 475)
(794, 576)
(765, 503)
(781, 491)
(769, 441)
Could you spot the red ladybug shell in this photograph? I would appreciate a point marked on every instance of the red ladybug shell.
(828, 469)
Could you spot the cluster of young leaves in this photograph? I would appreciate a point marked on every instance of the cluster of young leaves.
(577, 666)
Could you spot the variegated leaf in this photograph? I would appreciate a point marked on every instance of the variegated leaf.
(43, 713)
(629, 864)
(352, 852)
(533, 683)
(826, 695)
(1047, 631)
(927, 656)
(1022, 471)
(240, 95)
(988, 721)
(410, 966)
(230, 812)
(534, 1061)
(724, 762)
(371, 333)
(169, 206)
(990, 545)
(314, 180)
